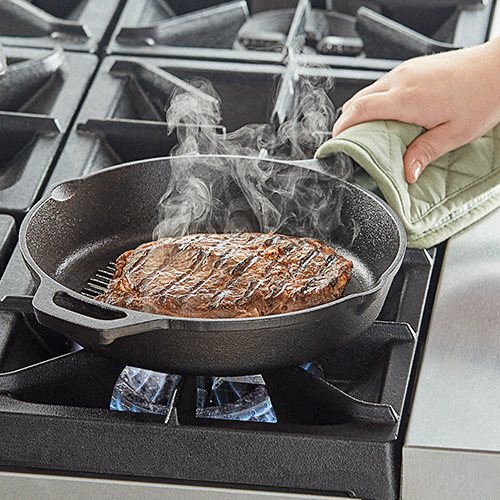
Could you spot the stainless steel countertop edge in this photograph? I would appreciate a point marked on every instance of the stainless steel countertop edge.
(477, 476)
(456, 409)
(17, 485)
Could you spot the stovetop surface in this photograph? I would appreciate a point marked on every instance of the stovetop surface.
(101, 76)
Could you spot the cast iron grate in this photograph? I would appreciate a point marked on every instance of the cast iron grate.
(76, 25)
(40, 92)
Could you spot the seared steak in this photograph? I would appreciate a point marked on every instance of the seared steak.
(227, 276)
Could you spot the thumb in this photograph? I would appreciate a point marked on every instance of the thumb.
(425, 149)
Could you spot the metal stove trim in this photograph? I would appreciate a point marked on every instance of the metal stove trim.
(41, 487)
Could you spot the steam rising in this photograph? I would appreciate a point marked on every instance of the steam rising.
(237, 188)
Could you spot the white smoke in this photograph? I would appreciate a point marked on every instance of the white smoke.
(237, 187)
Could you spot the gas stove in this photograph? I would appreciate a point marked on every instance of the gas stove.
(74, 423)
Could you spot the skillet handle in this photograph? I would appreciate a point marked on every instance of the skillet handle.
(339, 164)
(87, 321)
(342, 166)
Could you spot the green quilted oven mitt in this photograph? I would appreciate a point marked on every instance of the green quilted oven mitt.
(452, 192)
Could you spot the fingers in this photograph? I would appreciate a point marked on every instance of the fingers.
(365, 108)
(423, 150)
(375, 87)
(426, 148)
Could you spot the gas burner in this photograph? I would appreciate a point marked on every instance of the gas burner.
(323, 32)
(243, 399)
(228, 398)
(144, 391)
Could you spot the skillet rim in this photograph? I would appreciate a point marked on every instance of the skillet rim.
(319, 166)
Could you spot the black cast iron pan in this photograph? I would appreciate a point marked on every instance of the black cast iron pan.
(87, 222)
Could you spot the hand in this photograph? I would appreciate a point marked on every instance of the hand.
(454, 95)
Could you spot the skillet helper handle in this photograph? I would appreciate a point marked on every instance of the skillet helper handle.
(86, 320)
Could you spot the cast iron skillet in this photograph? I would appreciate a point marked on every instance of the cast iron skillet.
(87, 222)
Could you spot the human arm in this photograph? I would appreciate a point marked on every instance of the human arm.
(454, 95)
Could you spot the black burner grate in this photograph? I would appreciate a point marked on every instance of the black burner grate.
(39, 94)
(76, 25)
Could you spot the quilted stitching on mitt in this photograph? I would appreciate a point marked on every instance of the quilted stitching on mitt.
(452, 192)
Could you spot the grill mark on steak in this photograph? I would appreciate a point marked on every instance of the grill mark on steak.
(241, 267)
(228, 275)
(200, 259)
(223, 258)
(236, 271)
(276, 290)
(251, 288)
(303, 262)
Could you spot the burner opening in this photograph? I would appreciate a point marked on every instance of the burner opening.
(258, 89)
(32, 344)
(234, 398)
(124, 142)
(148, 91)
(437, 22)
(213, 26)
(24, 94)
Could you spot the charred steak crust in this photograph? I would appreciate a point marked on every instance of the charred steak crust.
(227, 276)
